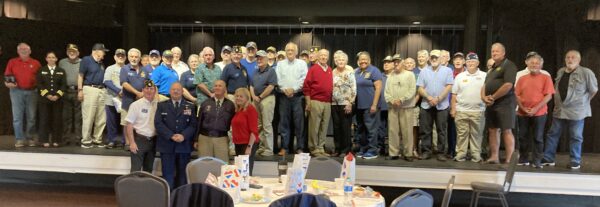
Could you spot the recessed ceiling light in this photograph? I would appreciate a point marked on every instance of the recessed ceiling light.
(417, 23)
(305, 22)
(75, 1)
(198, 22)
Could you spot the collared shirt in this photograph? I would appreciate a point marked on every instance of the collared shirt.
(262, 79)
(24, 72)
(505, 72)
(92, 71)
(291, 74)
(72, 70)
(180, 68)
(141, 116)
(527, 72)
(401, 86)
(235, 77)
(134, 78)
(251, 67)
(383, 105)
(207, 76)
(576, 106)
(164, 77)
(344, 86)
(221, 64)
(416, 71)
(187, 81)
(467, 89)
(532, 90)
(215, 120)
(318, 84)
(434, 83)
(112, 81)
(51, 81)
(365, 86)
(149, 69)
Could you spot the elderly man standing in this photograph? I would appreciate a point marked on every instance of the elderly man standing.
(467, 110)
(206, 76)
(499, 97)
(72, 106)
(91, 91)
(175, 123)
(262, 92)
(225, 57)
(235, 74)
(272, 56)
(179, 66)
(434, 83)
(165, 75)
(214, 122)
(291, 73)
(575, 87)
(154, 62)
(533, 92)
(114, 90)
(132, 77)
(249, 62)
(318, 89)
(141, 132)
(19, 77)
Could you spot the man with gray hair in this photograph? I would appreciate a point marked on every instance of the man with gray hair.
(132, 77)
(179, 66)
(72, 106)
(91, 91)
(114, 92)
(318, 89)
(205, 77)
(575, 87)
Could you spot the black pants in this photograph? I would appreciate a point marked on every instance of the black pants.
(240, 149)
(342, 126)
(71, 117)
(50, 120)
(529, 143)
(144, 158)
(427, 117)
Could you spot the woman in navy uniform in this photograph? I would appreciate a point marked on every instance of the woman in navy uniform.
(175, 123)
(51, 85)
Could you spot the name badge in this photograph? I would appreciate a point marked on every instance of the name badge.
(236, 75)
(131, 73)
(44, 73)
(59, 73)
(145, 111)
(367, 75)
(163, 113)
(207, 108)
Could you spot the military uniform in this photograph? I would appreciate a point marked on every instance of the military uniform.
(175, 117)
(51, 82)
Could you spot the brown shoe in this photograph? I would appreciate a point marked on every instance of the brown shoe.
(281, 152)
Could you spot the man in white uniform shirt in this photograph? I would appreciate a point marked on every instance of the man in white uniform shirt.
(140, 129)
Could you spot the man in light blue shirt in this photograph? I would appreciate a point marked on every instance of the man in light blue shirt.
(291, 73)
(434, 84)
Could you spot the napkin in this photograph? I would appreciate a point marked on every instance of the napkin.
(301, 161)
(348, 168)
(295, 181)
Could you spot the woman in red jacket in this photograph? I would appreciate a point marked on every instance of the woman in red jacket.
(244, 126)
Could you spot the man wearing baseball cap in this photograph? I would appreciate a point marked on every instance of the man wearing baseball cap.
(388, 68)
(458, 61)
(250, 61)
(165, 75)
(272, 56)
(235, 74)
(225, 57)
(262, 91)
(313, 55)
(155, 60)
(140, 129)
(92, 93)
(467, 108)
(114, 90)
(72, 106)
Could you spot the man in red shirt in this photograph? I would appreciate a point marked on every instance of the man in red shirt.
(19, 77)
(533, 92)
(318, 89)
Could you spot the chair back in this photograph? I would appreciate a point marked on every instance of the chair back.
(510, 172)
(413, 198)
(448, 192)
(323, 168)
(200, 195)
(141, 189)
(198, 169)
(303, 200)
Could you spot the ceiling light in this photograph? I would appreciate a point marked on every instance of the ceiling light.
(305, 22)
(416, 23)
(198, 22)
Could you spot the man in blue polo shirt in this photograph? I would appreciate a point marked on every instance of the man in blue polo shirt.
(250, 61)
(132, 77)
(262, 90)
(164, 76)
(91, 92)
(235, 74)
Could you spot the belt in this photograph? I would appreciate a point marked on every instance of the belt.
(95, 86)
(214, 134)
(142, 136)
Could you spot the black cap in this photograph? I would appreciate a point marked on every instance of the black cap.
(148, 83)
(99, 46)
(226, 47)
(458, 54)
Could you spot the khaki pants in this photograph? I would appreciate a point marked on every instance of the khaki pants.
(400, 125)
(266, 109)
(123, 113)
(93, 115)
(469, 127)
(213, 147)
(318, 121)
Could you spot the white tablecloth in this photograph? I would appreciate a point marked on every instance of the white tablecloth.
(338, 199)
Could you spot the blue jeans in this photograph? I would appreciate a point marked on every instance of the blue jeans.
(531, 126)
(291, 111)
(575, 133)
(382, 130)
(24, 104)
(368, 127)
(112, 124)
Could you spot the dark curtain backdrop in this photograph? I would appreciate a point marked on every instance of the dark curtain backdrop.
(379, 43)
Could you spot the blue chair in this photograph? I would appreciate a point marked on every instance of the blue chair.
(413, 198)
(141, 189)
(303, 200)
(198, 169)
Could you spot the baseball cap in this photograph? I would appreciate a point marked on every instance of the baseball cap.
(72, 47)
(304, 52)
(168, 54)
(531, 54)
(99, 46)
(314, 49)
(396, 57)
(281, 52)
(458, 54)
(226, 47)
(271, 49)
(388, 59)
(472, 56)
(261, 53)
(120, 51)
(436, 53)
(251, 45)
(154, 52)
(148, 83)
(237, 49)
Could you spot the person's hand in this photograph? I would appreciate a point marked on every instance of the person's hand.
(373, 109)
(397, 103)
(121, 93)
(133, 148)
(256, 98)
(453, 113)
(10, 85)
(80, 96)
(531, 111)
(307, 108)
(348, 109)
(248, 150)
(212, 95)
(489, 100)
(139, 95)
(434, 101)
(195, 145)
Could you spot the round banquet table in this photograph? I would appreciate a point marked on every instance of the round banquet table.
(338, 197)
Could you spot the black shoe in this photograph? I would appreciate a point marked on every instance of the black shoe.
(86, 146)
(537, 165)
(574, 166)
(425, 156)
(110, 145)
(409, 159)
(523, 162)
(393, 158)
(442, 157)
(548, 163)
(99, 145)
